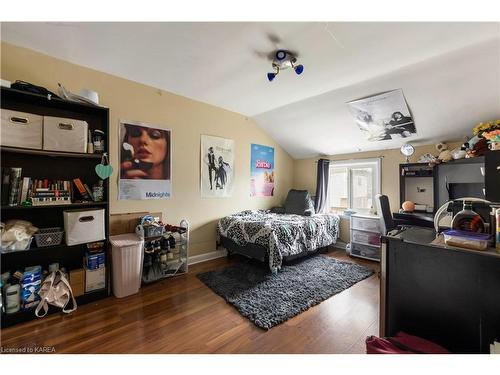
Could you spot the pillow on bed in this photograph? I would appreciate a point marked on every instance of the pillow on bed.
(299, 202)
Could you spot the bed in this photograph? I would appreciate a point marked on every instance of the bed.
(276, 237)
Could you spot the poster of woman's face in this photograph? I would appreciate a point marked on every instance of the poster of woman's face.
(384, 116)
(145, 161)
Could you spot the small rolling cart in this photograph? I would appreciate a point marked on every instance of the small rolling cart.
(166, 251)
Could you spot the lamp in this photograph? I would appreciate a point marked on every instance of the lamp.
(283, 60)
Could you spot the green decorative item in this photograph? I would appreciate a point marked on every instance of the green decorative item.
(104, 170)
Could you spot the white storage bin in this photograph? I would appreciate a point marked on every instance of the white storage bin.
(20, 129)
(83, 226)
(127, 258)
(64, 134)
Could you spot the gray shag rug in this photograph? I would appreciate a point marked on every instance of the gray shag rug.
(268, 300)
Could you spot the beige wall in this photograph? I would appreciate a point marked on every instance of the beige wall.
(187, 119)
(305, 173)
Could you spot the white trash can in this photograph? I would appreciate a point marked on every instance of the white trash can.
(127, 255)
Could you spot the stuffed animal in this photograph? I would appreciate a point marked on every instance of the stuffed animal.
(444, 154)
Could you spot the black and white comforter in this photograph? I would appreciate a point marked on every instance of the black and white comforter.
(283, 235)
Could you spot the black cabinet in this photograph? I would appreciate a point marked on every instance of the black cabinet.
(52, 165)
(492, 176)
(459, 179)
(446, 295)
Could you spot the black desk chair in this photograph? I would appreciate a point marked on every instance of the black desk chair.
(388, 222)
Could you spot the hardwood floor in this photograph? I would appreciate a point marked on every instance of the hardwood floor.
(182, 315)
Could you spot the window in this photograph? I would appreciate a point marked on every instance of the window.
(353, 185)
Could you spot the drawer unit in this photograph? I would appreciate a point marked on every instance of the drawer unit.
(366, 223)
(364, 237)
(365, 251)
(20, 129)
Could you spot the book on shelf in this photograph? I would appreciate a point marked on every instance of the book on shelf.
(15, 186)
(17, 189)
(5, 185)
(81, 189)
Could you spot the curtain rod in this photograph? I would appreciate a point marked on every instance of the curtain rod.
(361, 159)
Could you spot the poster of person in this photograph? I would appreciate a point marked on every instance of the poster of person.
(145, 161)
(384, 116)
(261, 171)
(217, 167)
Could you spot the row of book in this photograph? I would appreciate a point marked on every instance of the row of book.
(19, 190)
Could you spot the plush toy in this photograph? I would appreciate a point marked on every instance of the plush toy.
(444, 154)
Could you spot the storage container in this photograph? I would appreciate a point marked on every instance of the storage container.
(468, 240)
(127, 256)
(93, 261)
(64, 134)
(20, 129)
(365, 237)
(367, 224)
(49, 236)
(84, 225)
(95, 279)
(365, 251)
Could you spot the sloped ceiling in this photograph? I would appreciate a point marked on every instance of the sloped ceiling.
(449, 72)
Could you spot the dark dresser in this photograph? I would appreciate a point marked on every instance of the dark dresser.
(448, 295)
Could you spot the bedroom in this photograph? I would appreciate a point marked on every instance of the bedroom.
(231, 138)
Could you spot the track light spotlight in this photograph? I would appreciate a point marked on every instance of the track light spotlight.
(299, 69)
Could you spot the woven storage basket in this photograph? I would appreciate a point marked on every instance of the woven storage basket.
(49, 236)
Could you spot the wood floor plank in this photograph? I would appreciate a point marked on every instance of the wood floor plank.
(182, 315)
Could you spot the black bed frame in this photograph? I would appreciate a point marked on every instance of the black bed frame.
(258, 252)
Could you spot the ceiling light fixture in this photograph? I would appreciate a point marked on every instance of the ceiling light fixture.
(284, 60)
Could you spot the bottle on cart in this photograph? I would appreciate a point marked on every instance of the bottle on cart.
(468, 220)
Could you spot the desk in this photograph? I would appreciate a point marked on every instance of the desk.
(411, 215)
(420, 219)
(445, 294)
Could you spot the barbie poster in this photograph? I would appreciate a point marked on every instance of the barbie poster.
(261, 171)
(145, 161)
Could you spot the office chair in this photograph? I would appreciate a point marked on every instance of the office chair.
(388, 223)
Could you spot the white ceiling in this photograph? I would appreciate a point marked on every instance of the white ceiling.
(448, 86)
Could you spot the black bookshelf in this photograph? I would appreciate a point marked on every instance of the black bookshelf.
(52, 165)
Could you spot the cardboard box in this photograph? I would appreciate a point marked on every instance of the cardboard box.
(93, 261)
(95, 279)
(77, 281)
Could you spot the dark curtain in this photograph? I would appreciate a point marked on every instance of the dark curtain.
(322, 185)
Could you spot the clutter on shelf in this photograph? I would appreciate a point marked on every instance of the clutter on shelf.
(17, 235)
(444, 154)
(86, 95)
(19, 190)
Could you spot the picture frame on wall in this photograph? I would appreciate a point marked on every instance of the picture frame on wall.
(216, 167)
(383, 116)
(145, 161)
(262, 175)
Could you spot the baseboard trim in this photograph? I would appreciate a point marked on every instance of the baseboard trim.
(340, 245)
(207, 256)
